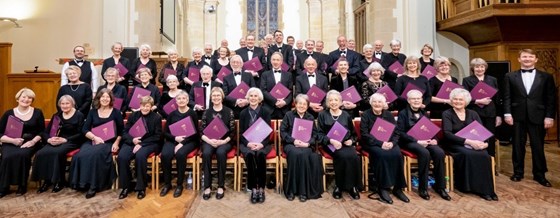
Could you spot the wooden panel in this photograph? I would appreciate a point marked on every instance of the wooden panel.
(45, 86)
(5, 68)
(462, 6)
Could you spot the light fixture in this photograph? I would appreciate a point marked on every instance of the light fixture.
(11, 19)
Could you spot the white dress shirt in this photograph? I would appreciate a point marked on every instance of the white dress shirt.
(528, 79)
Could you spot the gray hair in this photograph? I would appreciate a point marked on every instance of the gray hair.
(377, 97)
(413, 93)
(182, 92)
(367, 46)
(395, 42)
(172, 51)
(375, 66)
(196, 50)
(206, 68)
(171, 78)
(255, 90)
(461, 91)
(478, 62)
(441, 60)
(302, 97)
(146, 46)
(333, 93)
(67, 98)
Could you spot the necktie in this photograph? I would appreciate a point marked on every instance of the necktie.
(527, 70)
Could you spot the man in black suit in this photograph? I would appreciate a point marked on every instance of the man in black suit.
(301, 57)
(319, 46)
(232, 80)
(378, 51)
(389, 58)
(279, 107)
(309, 78)
(529, 105)
(207, 57)
(249, 52)
(285, 49)
(206, 83)
(352, 57)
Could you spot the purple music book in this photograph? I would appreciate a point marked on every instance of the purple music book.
(366, 73)
(105, 131)
(409, 87)
(483, 90)
(14, 127)
(279, 91)
(183, 127)
(136, 96)
(323, 66)
(397, 67)
(240, 91)
(138, 129)
(199, 96)
(194, 74)
(302, 129)
(446, 88)
(335, 65)
(216, 129)
(315, 94)
(117, 103)
(424, 129)
(55, 126)
(253, 64)
(284, 67)
(122, 69)
(258, 131)
(386, 91)
(170, 106)
(474, 131)
(351, 94)
(224, 71)
(382, 130)
(337, 132)
(167, 72)
(429, 71)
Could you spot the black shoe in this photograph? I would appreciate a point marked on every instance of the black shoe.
(141, 194)
(220, 195)
(337, 194)
(207, 196)
(544, 182)
(486, 197)
(165, 190)
(400, 195)
(261, 196)
(443, 194)
(57, 187)
(254, 197)
(424, 194)
(385, 197)
(21, 190)
(90, 194)
(290, 196)
(516, 178)
(302, 198)
(494, 197)
(123, 194)
(354, 194)
(178, 191)
(43, 188)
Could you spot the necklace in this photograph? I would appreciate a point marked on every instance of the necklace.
(23, 114)
(73, 88)
(333, 116)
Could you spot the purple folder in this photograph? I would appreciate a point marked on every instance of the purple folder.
(55, 126)
(183, 127)
(315, 94)
(216, 129)
(302, 129)
(117, 103)
(167, 72)
(170, 106)
(386, 91)
(446, 88)
(474, 131)
(14, 127)
(138, 129)
(122, 69)
(382, 130)
(483, 90)
(199, 96)
(194, 74)
(279, 91)
(424, 129)
(409, 87)
(351, 94)
(284, 67)
(429, 71)
(253, 64)
(335, 65)
(366, 73)
(337, 132)
(136, 96)
(258, 131)
(240, 91)
(324, 66)
(397, 67)
(105, 131)
(224, 71)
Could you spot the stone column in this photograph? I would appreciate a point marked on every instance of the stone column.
(194, 26)
(315, 12)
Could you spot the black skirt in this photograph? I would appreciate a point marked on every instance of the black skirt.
(15, 165)
(93, 166)
(50, 162)
(305, 172)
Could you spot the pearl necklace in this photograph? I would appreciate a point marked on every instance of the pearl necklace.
(23, 114)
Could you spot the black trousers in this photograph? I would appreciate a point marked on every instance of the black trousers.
(387, 166)
(430, 153)
(221, 157)
(140, 163)
(490, 124)
(536, 137)
(255, 163)
(167, 155)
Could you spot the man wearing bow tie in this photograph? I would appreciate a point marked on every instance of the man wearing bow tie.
(207, 57)
(232, 80)
(285, 49)
(307, 79)
(207, 84)
(269, 80)
(378, 51)
(89, 73)
(307, 53)
(342, 51)
(249, 52)
(529, 105)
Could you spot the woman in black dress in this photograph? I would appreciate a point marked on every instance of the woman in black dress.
(305, 169)
(144, 61)
(472, 165)
(342, 82)
(425, 150)
(120, 92)
(221, 61)
(114, 60)
(218, 146)
(372, 85)
(488, 109)
(412, 75)
(145, 76)
(49, 165)
(254, 152)
(347, 170)
(17, 150)
(425, 59)
(172, 91)
(174, 65)
(196, 63)
(92, 167)
(438, 105)
(80, 91)
(178, 147)
(385, 157)
(368, 59)
(138, 147)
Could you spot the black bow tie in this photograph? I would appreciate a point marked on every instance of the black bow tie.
(278, 71)
(251, 50)
(237, 74)
(310, 75)
(377, 53)
(79, 61)
(527, 70)
(342, 52)
(205, 84)
(206, 57)
(309, 54)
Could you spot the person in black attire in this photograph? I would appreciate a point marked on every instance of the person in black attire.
(49, 165)
(168, 95)
(207, 56)
(118, 90)
(249, 52)
(80, 91)
(438, 105)
(365, 62)
(301, 57)
(17, 152)
(385, 157)
(285, 49)
(89, 72)
(306, 80)
(196, 63)
(395, 55)
(342, 52)
(348, 175)
(114, 60)
(145, 75)
(178, 147)
(233, 80)
(372, 85)
(144, 61)
(425, 59)
(222, 60)
(207, 84)
(412, 75)
(278, 107)
(425, 150)
(341, 82)
(472, 165)
(218, 147)
(139, 148)
(172, 64)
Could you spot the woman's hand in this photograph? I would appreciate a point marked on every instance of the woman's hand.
(96, 140)
(336, 144)
(387, 145)
(115, 148)
(136, 149)
(177, 147)
(179, 139)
